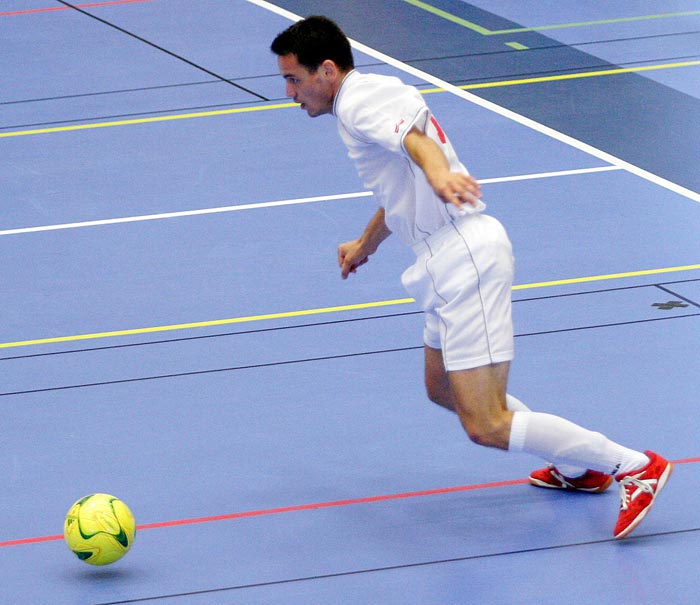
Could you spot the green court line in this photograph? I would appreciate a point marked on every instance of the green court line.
(338, 309)
(450, 17)
(589, 23)
(489, 32)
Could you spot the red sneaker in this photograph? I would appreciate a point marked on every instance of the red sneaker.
(638, 490)
(591, 481)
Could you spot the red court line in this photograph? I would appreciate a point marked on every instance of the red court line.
(290, 509)
(318, 505)
(67, 8)
(313, 506)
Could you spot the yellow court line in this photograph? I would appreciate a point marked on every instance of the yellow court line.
(305, 312)
(222, 112)
(475, 27)
(586, 74)
(583, 280)
(183, 116)
(207, 324)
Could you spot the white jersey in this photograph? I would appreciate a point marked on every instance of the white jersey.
(374, 115)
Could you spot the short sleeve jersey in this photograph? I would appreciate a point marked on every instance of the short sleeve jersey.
(374, 115)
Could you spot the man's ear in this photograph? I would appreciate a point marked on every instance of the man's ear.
(330, 69)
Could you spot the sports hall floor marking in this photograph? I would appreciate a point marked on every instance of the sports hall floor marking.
(428, 78)
(574, 76)
(65, 8)
(182, 116)
(310, 507)
(273, 204)
(322, 505)
(488, 32)
(491, 106)
(583, 280)
(223, 112)
(502, 111)
(323, 310)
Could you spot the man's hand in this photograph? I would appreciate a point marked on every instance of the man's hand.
(354, 254)
(456, 188)
(351, 256)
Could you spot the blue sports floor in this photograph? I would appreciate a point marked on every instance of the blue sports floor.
(175, 330)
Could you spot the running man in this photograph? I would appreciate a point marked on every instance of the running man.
(463, 273)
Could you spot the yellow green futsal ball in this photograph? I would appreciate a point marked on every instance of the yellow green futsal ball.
(99, 529)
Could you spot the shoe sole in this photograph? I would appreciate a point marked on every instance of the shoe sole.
(640, 517)
(588, 490)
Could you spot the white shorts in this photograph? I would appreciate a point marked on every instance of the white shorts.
(462, 278)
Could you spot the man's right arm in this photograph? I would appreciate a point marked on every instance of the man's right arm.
(352, 255)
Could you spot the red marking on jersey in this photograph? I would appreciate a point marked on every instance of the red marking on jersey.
(440, 131)
(396, 130)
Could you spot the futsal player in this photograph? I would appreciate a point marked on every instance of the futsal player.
(463, 272)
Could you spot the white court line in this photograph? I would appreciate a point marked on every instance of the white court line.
(506, 113)
(291, 202)
(183, 213)
(548, 175)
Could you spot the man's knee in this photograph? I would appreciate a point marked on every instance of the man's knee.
(490, 429)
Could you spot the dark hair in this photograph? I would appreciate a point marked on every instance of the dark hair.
(314, 40)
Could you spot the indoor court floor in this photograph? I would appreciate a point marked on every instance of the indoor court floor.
(175, 330)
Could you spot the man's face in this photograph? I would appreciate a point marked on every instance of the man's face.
(314, 90)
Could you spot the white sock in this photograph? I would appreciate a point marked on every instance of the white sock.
(570, 471)
(565, 443)
(515, 405)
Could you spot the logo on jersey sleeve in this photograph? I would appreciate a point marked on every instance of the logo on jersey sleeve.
(440, 131)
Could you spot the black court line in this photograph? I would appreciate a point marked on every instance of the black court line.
(544, 72)
(672, 293)
(379, 63)
(158, 87)
(315, 359)
(155, 112)
(459, 82)
(206, 336)
(212, 371)
(606, 290)
(372, 570)
(535, 49)
(610, 325)
(120, 91)
(657, 37)
(364, 318)
(160, 48)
